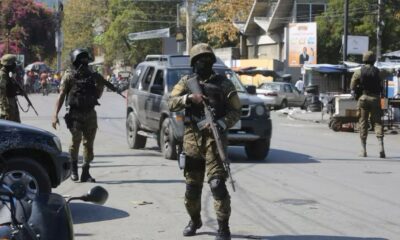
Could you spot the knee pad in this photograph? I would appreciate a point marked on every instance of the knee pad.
(218, 188)
(193, 192)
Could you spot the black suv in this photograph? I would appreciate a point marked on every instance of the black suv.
(34, 162)
(148, 114)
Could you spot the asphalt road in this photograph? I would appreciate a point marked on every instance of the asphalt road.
(312, 186)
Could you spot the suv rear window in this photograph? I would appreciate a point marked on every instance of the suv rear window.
(174, 75)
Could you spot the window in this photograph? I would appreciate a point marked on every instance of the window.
(307, 12)
(135, 77)
(288, 88)
(159, 79)
(147, 78)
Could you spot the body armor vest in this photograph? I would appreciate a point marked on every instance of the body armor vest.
(83, 94)
(370, 80)
(11, 89)
(216, 98)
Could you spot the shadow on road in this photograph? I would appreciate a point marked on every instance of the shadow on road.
(140, 154)
(150, 181)
(85, 213)
(292, 237)
(237, 155)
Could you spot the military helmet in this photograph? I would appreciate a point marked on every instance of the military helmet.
(76, 52)
(200, 49)
(8, 60)
(369, 56)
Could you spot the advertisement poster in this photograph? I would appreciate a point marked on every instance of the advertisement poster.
(302, 44)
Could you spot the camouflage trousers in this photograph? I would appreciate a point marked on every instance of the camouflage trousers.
(84, 128)
(369, 108)
(202, 158)
(13, 113)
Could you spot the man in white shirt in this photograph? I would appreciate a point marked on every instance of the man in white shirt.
(300, 85)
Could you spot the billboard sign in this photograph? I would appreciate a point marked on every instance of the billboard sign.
(302, 44)
(357, 44)
(159, 33)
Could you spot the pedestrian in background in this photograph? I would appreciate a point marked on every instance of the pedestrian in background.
(369, 83)
(199, 146)
(82, 88)
(300, 85)
(8, 89)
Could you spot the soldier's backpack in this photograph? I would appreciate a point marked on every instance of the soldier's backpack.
(83, 94)
(370, 80)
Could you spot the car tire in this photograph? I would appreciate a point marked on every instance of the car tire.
(167, 141)
(135, 141)
(258, 149)
(284, 104)
(336, 125)
(26, 177)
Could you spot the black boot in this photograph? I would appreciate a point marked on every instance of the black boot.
(382, 148)
(85, 177)
(74, 171)
(191, 228)
(363, 152)
(223, 231)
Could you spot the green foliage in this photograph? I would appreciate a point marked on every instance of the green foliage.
(362, 21)
(27, 28)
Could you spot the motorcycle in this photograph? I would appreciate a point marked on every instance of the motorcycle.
(46, 217)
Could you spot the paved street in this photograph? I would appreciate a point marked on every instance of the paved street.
(312, 186)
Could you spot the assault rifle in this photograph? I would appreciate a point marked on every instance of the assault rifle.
(106, 83)
(209, 121)
(23, 93)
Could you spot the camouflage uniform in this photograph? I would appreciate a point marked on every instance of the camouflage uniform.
(369, 107)
(84, 124)
(8, 102)
(201, 150)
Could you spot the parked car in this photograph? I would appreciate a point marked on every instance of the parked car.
(148, 115)
(281, 95)
(34, 159)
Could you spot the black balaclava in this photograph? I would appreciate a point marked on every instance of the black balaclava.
(82, 61)
(203, 66)
(11, 68)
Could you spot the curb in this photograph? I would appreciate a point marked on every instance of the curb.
(292, 116)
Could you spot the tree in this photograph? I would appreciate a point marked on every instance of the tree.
(27, 28)
(219, 16)
(79, 23)
(362, 21)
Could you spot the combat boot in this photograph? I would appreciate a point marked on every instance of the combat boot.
(191, 228)
(223, 231)
(382, 151)
(363, 152)
(74, 171)
(85, 177)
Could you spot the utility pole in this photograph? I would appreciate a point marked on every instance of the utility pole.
(346, 16)
(346, 23)
(188, 25)
(379, 32)
(58, 34)
(178, 28)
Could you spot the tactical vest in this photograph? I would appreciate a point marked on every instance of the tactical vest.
(11, 89)
(83, 94)
(212, 89)
(370, 80)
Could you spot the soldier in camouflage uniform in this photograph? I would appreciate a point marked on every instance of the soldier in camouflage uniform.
(368, 82)
(199, 146)
(8, 90)
(82, 88)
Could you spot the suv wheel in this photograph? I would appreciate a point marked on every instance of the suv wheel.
(257, 150)
(168, 141)
(135, 140)
(26, 178)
